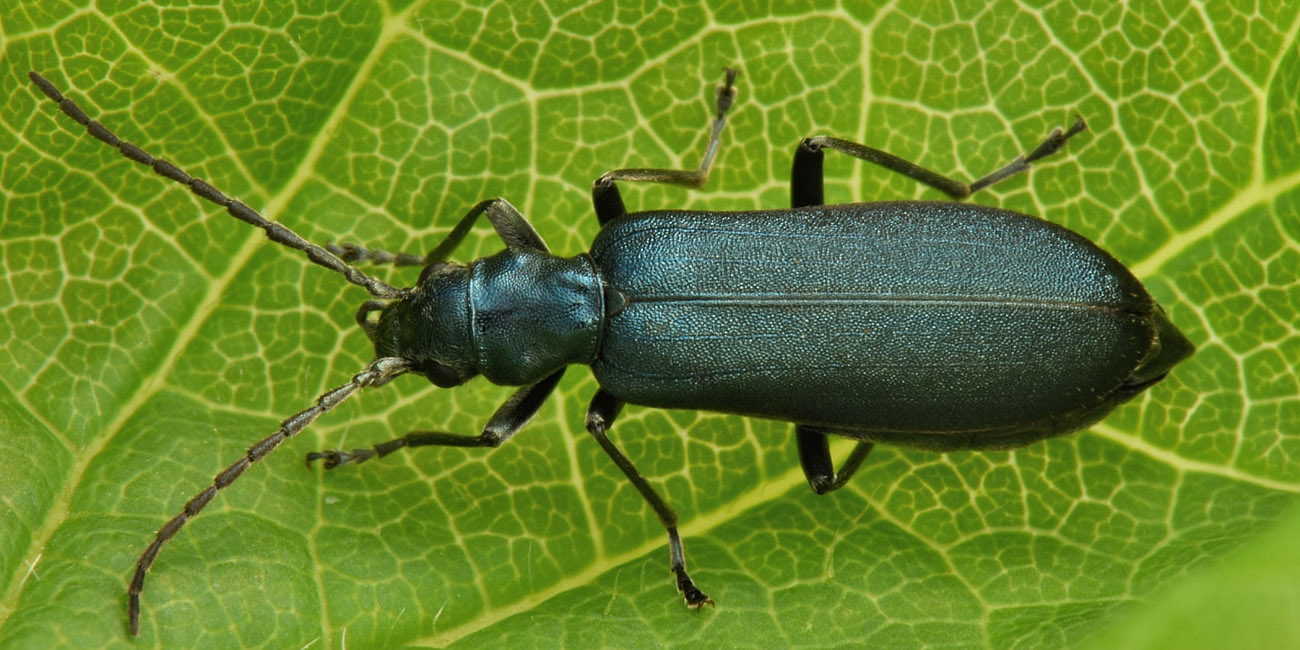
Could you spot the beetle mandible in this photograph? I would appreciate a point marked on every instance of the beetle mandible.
(932, 325)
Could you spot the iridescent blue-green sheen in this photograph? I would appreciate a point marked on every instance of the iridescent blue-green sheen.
(939, 325)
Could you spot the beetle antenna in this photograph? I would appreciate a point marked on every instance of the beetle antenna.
(379, 372)
(274, 231)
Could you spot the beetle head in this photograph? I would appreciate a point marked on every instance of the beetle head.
(429, 327)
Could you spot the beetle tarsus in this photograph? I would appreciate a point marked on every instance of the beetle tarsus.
(335, 457)
(694, 597)
(726, 93)
(1055, 140)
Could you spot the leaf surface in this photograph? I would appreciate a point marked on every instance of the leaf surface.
(149, 338)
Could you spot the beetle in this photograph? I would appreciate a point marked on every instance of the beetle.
(932, 325)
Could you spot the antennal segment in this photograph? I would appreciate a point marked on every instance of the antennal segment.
(379, 372)
(274, 231)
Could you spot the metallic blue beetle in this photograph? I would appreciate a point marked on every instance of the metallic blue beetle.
(932, 325)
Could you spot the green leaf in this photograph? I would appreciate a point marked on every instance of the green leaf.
(1249, 601)
(149, 338)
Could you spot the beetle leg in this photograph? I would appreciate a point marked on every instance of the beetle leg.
(508, 419)
(806, 176)
(604, 193)
(1055, 140)
(513, 228)
(815, 457)
(604, 408)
